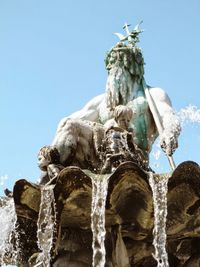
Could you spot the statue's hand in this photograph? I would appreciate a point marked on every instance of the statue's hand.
(169, 144)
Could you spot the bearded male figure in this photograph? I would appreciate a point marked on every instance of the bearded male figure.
(126, 86)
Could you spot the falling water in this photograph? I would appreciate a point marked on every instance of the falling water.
(46, 225)
(159, 189)
(8, 231)
(99, 193)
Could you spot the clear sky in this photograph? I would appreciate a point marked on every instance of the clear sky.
(52, 62)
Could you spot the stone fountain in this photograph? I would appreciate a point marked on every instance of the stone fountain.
(98, 202)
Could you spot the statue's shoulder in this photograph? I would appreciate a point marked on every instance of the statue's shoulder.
(159, 94)
(95, 101)
(90, 111)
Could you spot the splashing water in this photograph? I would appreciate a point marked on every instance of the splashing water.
(99, 193)
(8, 248)
(46, 225)
(3, 178)
(189, 114)
(159, 189)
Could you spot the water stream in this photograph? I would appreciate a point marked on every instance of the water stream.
(158, 185)
(99, 193)
(46, 225)
(8, 248)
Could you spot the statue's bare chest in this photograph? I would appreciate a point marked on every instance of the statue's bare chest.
(139, 106)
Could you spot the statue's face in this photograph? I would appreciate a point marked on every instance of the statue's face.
(123, 122)
(43, 162)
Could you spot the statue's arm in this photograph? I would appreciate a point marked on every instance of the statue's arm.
(53, 171)
(90, 111)
(170, 121)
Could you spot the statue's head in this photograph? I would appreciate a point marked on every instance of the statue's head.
(125, 66)
(48, 155)
(127, 56)
(123, 116)
(127, 52)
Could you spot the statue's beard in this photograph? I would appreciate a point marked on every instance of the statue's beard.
(119, 87)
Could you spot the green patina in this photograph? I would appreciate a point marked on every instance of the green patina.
(127, 59)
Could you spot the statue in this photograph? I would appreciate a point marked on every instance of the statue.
(109, 138)
(118, 144)
(49, 163)
(78, 142)
(126, 86)
(83, 143)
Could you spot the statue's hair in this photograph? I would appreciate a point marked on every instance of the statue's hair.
(125, 66)
(123, 111)
(50, 153)
(130, 57)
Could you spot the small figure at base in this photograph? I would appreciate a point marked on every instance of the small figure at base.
(119, 144)
(49, 163)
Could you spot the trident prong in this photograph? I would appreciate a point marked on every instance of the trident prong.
(131, 36)
(126, 25)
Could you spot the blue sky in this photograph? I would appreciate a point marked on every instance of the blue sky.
(52, 62)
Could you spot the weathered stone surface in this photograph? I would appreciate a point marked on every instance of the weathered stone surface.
(129, 195)
(129, 211)
(184, 201)
(74, 192)
(27, 199)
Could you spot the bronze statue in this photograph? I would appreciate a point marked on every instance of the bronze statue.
(111, 136)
